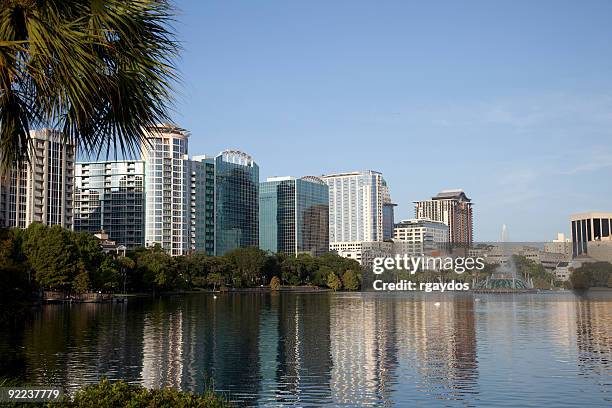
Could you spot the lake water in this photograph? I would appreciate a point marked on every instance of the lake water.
(332, 348)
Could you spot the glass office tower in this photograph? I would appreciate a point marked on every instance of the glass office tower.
(294, 215)
(236, 201)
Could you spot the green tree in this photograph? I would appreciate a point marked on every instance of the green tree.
(319, 278)
(191, 266)
(333, 282)
(81, 282)
(90, 252)
(126, 266)
(338, 264)
(591, 274)
(529, 269)
(15, 287)
(600, 271)
(99, 71)
(290, 271)
(580, 279)
(350, 280)
(215, 279)
(247, 265)
(52, 255)
(107, 277)
(275, 283)
(158, 269)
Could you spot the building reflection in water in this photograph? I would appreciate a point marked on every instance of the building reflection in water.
(374, 339)
(594, 337)
(443, 338)
(162, 349)
(316, 349)
(303, 363)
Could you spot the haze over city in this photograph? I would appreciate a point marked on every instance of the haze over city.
(510, 101)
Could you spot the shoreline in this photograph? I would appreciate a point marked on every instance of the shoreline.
(123, 298)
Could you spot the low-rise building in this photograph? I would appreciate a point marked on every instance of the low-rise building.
(363, 252)
(561, 245)
(587, 228)
(419, 236)
(562, 271)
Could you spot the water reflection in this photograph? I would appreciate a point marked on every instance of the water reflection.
(340, 349)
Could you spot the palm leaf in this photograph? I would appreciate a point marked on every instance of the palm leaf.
(102, 71)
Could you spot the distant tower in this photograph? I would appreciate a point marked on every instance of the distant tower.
(504, 233)
(453, 208)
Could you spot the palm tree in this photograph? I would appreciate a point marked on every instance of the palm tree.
(101, 71)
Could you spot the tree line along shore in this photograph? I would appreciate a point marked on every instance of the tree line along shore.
(54, 259)
(51, 258)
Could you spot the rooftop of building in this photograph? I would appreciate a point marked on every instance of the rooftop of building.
(236, 157)
(309, 179)
(418, 221)
(352, 173)
(590, 214)
(279, 178)
(457, 194)
(313, 179)
(170, 128)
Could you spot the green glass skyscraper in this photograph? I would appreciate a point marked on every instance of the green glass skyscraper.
(236, 201)
(294, 215)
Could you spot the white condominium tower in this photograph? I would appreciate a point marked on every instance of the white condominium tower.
(356, 206)
(167, 187)
(42, 190)
(453, 208)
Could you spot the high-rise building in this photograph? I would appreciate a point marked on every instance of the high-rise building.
(356, 202)
(202, 204)
(41, 190)
(420, 236)
(110, 196)
(165, 198)
(453, 208)
(236, 201)
(294, 215)
(388, 213)
(589, 227)
(167, 188)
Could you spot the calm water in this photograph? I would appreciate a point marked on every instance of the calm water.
(315, 349)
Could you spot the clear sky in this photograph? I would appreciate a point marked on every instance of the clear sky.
(509, 100)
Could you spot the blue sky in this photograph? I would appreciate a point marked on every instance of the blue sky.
(509, 100)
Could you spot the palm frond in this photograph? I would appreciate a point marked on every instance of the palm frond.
(102, 71)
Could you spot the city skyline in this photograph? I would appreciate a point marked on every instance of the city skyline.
(108, 191)
(493, 99)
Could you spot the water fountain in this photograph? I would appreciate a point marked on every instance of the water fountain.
(504, 278)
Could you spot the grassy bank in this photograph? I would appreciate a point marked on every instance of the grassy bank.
(120, 394)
